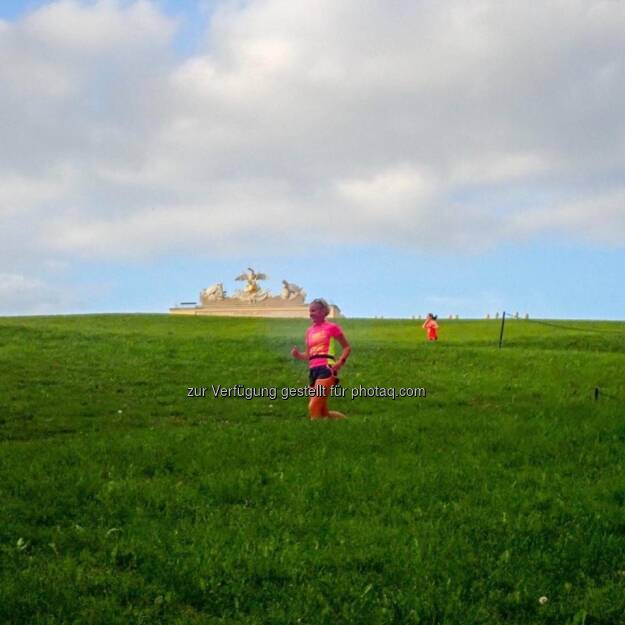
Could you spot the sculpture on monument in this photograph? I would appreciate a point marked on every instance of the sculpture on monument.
(292, 292)
(213, 293)
(251, 292)
(252, 300)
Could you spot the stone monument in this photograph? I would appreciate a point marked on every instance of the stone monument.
(252, 300)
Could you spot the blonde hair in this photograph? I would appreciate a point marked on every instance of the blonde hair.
(321, 302)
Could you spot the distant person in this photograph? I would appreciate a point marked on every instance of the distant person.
(431, 327)
(320, 341)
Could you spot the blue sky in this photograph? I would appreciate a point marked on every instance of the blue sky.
(457, 157)
(192, 17)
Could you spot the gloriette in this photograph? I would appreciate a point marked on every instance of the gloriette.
(251, 301)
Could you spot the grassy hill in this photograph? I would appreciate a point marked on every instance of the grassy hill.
(125, 501)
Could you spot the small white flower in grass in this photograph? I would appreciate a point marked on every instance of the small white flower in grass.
(119, 411)
(543, 600)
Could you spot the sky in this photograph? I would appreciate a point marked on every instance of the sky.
(462, 157)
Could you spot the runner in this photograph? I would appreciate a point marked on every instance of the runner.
(431, 327)
(323, 365)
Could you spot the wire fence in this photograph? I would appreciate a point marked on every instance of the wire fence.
(562, 326)
(598, 392)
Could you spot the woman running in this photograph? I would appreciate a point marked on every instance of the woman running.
(323, 365)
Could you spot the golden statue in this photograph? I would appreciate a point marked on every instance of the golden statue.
(251, 291)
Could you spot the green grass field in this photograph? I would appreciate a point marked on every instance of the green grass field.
(124, 501)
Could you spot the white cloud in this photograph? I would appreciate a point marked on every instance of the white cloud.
(69, 26)
(20, 294)
(599, 218)
(401, 184)
(428, 125)
(20, 193)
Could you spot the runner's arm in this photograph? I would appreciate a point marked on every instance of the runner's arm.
(295, 352)
(347, 350)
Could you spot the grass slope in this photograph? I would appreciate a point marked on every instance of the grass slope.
(125, 501)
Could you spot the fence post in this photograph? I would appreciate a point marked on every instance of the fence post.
(503, 321)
